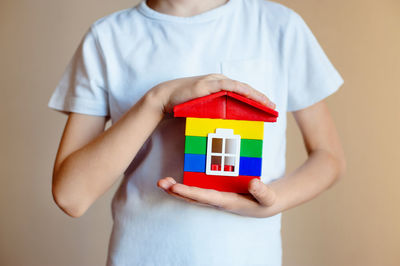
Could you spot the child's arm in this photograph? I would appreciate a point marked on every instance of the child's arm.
(90, 160)
(325, 164)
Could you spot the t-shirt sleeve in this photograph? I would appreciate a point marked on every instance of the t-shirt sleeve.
(311, 76)
(82, 88)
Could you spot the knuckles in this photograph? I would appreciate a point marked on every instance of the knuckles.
(222, 83)
(214, 76)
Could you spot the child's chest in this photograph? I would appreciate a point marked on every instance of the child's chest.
(141, 63)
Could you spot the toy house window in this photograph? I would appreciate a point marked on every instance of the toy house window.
(223, 153)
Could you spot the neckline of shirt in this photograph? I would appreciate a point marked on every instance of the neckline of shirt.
(212, 14)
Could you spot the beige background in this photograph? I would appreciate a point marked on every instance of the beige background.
(355, 223)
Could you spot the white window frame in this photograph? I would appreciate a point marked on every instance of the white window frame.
(224, 134)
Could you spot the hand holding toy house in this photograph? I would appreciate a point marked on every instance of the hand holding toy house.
(223, 140)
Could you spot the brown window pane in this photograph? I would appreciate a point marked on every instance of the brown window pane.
(216, 162)
(216, 145)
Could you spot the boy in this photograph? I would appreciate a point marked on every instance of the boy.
(133, 67)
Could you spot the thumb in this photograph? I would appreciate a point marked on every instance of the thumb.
(263, 194)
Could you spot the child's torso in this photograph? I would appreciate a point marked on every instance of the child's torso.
(145, 48)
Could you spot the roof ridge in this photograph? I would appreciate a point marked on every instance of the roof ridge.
(220, 105)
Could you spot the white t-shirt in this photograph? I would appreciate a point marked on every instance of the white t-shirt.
(125, 54)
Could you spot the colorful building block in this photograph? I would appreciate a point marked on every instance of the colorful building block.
(250, 166)
(226, 105)
(203, 126)
(248, 147)
(237, 184)
(210, 106)
(237, 107)
(195, 162)
(195, 145)
(223, 140)
(251, 148)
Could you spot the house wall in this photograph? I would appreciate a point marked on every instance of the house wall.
(250, 162)
(251, 133)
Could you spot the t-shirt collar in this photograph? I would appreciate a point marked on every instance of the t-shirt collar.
(202, 17)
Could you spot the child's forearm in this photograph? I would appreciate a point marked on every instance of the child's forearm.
(318, 173)
(325, 164)
(88, 172)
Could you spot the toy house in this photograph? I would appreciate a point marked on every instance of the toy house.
(223, 140)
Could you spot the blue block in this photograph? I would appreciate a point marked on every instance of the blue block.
(195, 163)
(250, 166)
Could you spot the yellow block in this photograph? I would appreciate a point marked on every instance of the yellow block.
(246, 129)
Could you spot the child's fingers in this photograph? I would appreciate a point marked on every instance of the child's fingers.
(228, 201)
(207, 196)
(258, 96)
(248, 205)
(244, 89)
(263, 194)
(229, 85)
(168, 182)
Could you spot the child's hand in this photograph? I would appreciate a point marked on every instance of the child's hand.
(173, 92)
(260, 203)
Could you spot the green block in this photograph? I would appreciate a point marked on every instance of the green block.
(251, 148)
(248, 147)
(195, 145)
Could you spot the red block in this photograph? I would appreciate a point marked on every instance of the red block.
(215, 167)
(236, 184)
(226, 105)
(229, 168)
(242, 108)
(210, 106)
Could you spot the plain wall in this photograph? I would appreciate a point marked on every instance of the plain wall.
(354, 223)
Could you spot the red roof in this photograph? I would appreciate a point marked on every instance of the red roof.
(226, 105)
